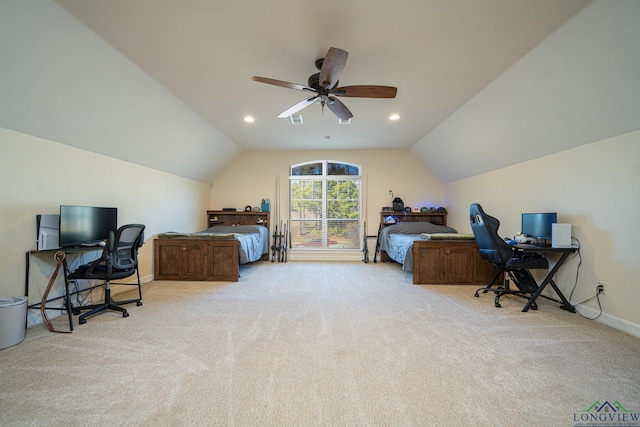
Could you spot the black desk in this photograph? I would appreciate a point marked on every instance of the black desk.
(68, 306)
(564, 254)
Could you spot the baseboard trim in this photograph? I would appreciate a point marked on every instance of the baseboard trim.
(325, 255)
(125, 286)
(612, 321)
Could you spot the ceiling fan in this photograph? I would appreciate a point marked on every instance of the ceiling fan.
(325, 86)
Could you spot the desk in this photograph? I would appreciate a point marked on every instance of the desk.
(565, 252)
(65, 271)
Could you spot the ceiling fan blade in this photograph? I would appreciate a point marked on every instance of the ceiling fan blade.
(295, 108)
(332, 67)
(338, 108)
(366, 91)
(281, 83)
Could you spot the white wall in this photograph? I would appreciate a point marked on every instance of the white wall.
(595, 188)
(37, 176)
(252, 177)
(580, 85)
(61, 82)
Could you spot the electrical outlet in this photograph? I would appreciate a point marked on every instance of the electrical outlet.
(600, 288)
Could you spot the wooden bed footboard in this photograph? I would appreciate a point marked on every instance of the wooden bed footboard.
(449, 262)
(196, 259)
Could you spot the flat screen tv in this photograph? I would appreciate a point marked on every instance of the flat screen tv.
(86, 224)
(538, 225)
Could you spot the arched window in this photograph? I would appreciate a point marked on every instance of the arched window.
(325, 199)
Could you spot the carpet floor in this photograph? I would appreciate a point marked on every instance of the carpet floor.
(320, 344)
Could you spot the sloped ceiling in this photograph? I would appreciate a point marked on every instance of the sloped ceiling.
(438, 53)
(166, 84)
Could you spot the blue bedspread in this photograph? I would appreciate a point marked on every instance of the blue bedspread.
(397, 240)
(253, 240)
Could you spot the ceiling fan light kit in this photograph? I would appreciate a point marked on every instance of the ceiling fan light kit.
(325, 86)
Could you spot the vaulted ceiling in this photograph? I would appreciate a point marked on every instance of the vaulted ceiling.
(439, 54)
(165, 84)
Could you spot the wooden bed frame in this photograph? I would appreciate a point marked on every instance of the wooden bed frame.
(442, 262)
(202, 258)
(449, 262)
(196, 259)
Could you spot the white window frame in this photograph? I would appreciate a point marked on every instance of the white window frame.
(325, 178)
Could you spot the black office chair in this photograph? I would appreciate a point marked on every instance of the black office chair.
(119, 260)
(513, 264)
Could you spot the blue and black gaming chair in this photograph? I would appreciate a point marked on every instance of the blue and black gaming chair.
(505, 259)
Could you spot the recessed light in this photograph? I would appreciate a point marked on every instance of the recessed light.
(249, 119)
(394, 117)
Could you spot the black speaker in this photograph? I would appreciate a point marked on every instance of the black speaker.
(398, 205)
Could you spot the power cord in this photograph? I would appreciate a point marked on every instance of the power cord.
(575, 284)
(576, 254)
(596, 296)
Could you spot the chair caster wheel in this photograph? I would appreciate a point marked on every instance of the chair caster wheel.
(82, 321)
(138, 303)
(534, 306)
(476, 295)
(125, 314)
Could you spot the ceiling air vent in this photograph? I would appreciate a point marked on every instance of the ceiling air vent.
(344, 122)
(296, 119)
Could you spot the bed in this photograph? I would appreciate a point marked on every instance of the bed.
(435, 253)
(215, 253)
(253, 240)
(397, 240)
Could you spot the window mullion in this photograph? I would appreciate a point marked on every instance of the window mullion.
(324, 212)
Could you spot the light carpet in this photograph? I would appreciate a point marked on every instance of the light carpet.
(319, 344)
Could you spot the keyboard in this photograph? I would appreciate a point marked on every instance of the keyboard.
(95, 243)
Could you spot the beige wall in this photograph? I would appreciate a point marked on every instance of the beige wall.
(252, 178)
(37, 176)
(593, 187)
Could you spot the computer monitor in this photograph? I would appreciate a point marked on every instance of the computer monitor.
(86, 224)
(538, 225)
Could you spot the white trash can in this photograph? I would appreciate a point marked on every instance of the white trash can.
(13, 321)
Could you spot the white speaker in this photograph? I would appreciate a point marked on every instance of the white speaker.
(560, 235)
(48, 230)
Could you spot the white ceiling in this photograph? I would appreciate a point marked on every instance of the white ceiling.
(439, 54)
